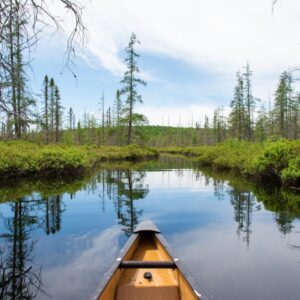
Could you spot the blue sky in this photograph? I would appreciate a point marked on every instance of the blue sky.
(190, 51)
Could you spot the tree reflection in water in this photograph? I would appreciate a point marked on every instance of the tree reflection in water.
(246, 198)
(243, 203)
(20, 278)
(53, 211)
(124, 187)
(284, 203)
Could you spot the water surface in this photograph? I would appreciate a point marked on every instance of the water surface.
(239, 240)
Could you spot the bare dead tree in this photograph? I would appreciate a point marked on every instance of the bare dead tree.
(41, 15)
(21, 25)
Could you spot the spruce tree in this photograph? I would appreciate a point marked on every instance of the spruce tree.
(58, 113)
(46, 108)
(117, 109)
(249, 103)
(237, 115)
(52, 107)
(261, 125)
(71, 116)
(283, 99)
(130, 82)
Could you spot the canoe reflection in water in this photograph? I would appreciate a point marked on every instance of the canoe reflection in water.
(147, 269)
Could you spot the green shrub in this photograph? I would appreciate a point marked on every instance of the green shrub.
(291, 174)
(20, 158)
(277, 160)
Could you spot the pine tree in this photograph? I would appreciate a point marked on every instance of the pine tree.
(52, 107)
(14, 43)
(20, 25)
(219, 125)
(117, 109)
(294, 116)
(79, 133)
(58, 113)
(249, 103)
(261, 125)
(130, 82)
(46, 108)
(71, 118)
(283, 99)
(237, 115)
(102, 113)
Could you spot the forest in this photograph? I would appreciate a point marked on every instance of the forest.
(54, 138)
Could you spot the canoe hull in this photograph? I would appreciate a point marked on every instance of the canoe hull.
(126, 280)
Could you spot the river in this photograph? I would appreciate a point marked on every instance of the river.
(238, 240)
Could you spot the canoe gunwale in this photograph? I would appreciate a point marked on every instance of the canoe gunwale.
(114, 267)
(181, 267)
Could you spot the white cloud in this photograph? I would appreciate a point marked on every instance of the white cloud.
(92, 262)
(218, 35)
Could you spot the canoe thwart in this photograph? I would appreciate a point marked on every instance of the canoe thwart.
(140, 264)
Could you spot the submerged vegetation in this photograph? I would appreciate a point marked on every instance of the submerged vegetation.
(24, 158)
(277, 161)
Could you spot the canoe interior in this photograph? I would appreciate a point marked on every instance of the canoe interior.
(130, 284)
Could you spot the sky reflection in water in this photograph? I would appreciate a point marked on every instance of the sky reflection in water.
(238, 240)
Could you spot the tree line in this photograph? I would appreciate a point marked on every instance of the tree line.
(17, 105)
(119, 123)
(247, 121)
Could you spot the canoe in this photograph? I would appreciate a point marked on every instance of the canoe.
(147, 269)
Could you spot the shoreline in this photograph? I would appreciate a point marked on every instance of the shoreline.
(21, 159)
(274, 161)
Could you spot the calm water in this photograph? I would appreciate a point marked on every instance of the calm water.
(239, 241)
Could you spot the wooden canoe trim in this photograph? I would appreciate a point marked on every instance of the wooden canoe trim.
(114, 269)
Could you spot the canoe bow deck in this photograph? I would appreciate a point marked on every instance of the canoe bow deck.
(147, 270)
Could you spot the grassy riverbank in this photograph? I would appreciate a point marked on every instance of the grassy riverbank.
(275, 161)
(24, 158)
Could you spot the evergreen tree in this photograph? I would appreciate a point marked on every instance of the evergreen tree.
(237, 115)
(52, 107)
(102, 113)
(261, 125)
(219, 125)
(294, 116)
(283, 99)
(117, 109)
(130, 82)
(79, 134)
(58, 113)
(71, 119)
(46, 108)
(249, 103)
(108, 117)
(15, 101)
